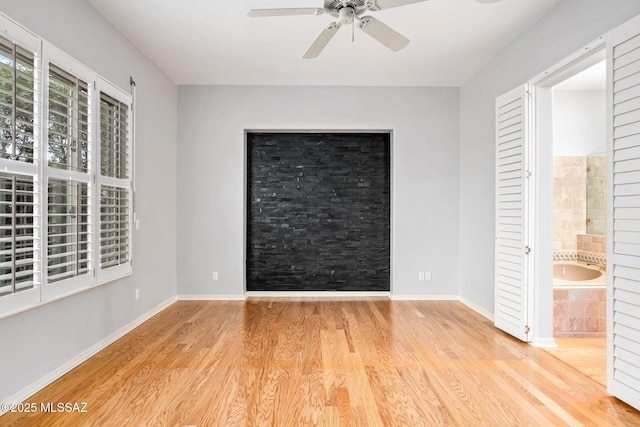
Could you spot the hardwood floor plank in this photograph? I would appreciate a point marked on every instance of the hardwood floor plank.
(588, 355)
(318, 362)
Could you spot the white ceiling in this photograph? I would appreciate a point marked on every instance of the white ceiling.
(214, 42)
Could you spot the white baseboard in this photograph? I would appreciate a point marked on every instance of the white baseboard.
(316, 294)
(44, 381)
(424, 297)
(211, 297)
(544, 343)
(476, 308)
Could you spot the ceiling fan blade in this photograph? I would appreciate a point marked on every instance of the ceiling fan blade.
(383, 33)
(388, 4)
(321, 42)
(261, 13)
(488, 1)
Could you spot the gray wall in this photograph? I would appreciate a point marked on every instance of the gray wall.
(562, 31)
(39, 340)
(212, 121)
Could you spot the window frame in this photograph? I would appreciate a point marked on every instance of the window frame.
(16, 34)
(44, 291)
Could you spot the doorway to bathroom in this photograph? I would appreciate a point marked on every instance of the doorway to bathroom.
(574, 128)
(524, 245)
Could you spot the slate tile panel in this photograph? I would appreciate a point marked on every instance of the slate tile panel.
(318, 211)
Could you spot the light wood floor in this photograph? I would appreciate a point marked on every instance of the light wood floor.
(370, 362)
(587, 355)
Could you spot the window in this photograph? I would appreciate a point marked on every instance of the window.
(68, 129)
(68, 253)
(20, 220)
(114, 144)
(65, 174)
(17, 254)
(68, 172)
(17, 100)
(114, 226)
(115, 183)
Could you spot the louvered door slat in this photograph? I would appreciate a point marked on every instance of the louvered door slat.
(511, 265)
(624, 230)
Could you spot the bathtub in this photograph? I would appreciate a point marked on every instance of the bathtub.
(568, 274)
(579, 300)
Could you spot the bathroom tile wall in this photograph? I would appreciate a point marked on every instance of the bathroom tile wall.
(592, 243)
(592, 248)
(569, 202)
(579, 313)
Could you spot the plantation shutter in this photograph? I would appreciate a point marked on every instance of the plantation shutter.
(70, 192)
(510, 310)
(68, 125)
(114, 226)
(68, 216)
(20, 214)
(17, 255)
(623, 297)
(17, 102)
(114, 183)
(114, 137)
(68, 229)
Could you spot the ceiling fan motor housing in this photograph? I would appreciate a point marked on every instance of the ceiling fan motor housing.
(336, 8)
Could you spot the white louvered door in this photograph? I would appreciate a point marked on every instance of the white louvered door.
(511, 289)
(623, 277)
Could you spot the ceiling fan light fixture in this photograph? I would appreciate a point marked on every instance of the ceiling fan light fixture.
(346, 15)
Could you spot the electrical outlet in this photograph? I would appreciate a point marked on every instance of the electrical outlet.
(421, 275)
(214, 275)
(137, 293)
(427, 275)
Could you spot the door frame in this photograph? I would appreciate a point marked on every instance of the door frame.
(541, 164)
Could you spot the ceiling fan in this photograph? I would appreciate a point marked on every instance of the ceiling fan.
(349, 12)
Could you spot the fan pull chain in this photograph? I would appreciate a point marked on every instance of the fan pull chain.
(353, 31)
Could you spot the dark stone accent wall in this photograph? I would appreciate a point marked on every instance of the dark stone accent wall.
(318, 211)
